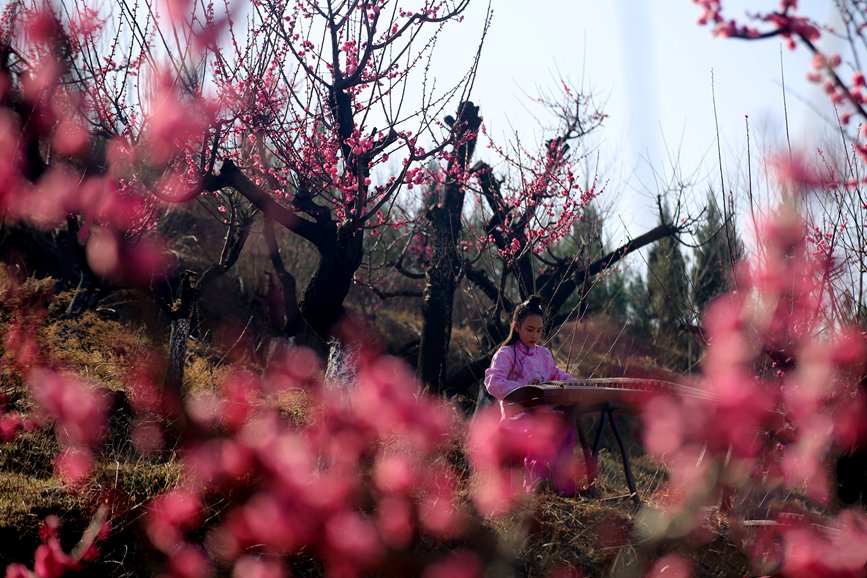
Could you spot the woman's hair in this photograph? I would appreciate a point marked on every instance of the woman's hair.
(532, 306)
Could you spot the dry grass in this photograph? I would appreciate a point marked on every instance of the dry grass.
(25, 500)
(102, 351)
(599, 347)
(98, 349)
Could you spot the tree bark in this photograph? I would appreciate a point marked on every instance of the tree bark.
(443, 273)
(181, 314)
(339, 258)
(290, 321)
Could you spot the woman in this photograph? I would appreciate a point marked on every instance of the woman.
(520, 361)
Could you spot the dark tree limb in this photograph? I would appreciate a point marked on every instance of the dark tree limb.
(443, 273)
(231, 176)
(291, 315)
(400, 268)
(566, 279)
(469, 375)
(393, 294)
(480, 279)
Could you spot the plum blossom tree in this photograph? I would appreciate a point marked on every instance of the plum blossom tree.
(444, 212)
(774, 423)
(837, 213)
(508, 244)
(796, 27)
(299, 113)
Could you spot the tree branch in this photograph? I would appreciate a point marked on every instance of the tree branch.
(481, 280)
(231, 176)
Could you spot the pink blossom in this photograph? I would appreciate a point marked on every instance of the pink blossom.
(189, 562)
(70, 138)
(103, 252)
(16, 570)
(664, 428)
(395, 473)
(20, 341)
(395, 521)
(439, 512)
(798, 172)
(79, 410)
(173, 122)
(273, 522)
(73, 465)
(352, 540)
(251, 567)
(51, 561)
(671, 566)
(170, 515)
(458, 564)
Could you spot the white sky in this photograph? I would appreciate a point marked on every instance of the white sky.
(649, 64)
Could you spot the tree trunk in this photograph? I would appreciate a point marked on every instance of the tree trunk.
(437, 301)
(181, 313)
(322, 302)
(441, 277)
(286, 307)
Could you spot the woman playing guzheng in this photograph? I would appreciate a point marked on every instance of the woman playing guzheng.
(521, 361)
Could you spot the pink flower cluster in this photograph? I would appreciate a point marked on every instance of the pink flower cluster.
(783, 22)
(50, 559)
(77, 410)
(362, 480)
(80, 415)
(846, 93)
(503, 454)
(785, 399)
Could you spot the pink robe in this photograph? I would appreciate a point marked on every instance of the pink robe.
(516, 365)
(512, 367)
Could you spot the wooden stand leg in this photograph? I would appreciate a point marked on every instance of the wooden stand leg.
(603, 415)
(589, 456)
(627, 468)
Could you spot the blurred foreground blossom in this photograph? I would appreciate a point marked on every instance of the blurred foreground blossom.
(363, 478)
(786, 396)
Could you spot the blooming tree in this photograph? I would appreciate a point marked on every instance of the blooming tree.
(839, 215)
(299, 113)
(786, 396)
(507, 242)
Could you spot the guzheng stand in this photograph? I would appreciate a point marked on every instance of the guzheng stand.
(603, 396)
(591, 455)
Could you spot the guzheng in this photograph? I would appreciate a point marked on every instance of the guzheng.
(628, 391)
(603, 395)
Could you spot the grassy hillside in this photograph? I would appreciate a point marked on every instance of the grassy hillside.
(581, 535)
